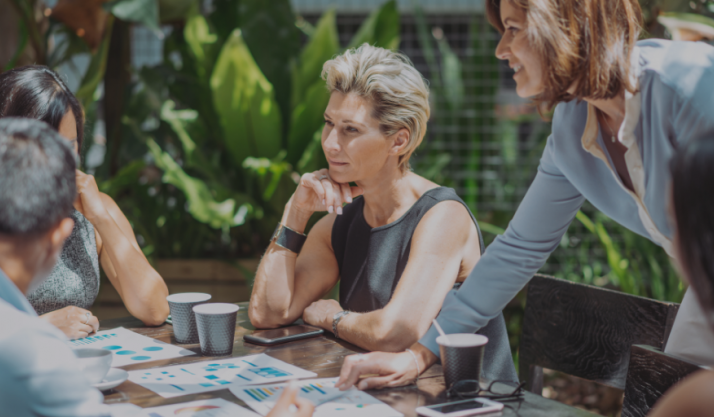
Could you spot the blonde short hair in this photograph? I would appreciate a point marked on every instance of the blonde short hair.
(389, 81)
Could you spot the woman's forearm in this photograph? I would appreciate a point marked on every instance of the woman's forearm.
(141, 288)
(274, 285)
(380, 330)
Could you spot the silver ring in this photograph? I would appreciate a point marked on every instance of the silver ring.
(323, 177)
(89, 315)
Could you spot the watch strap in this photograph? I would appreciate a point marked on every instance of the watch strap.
(289, 239)
(336, 320)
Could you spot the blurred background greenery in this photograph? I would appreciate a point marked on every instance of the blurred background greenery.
(202, 142)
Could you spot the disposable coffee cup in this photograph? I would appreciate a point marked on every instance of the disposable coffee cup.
(216, 324)
(461, 357)
(183, 319)
(94, 363)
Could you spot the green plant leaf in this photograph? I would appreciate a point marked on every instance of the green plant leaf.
(313, 158)
(381, 28)
(201, 203)
(453, 84)
(245, 103)
(675, 22)
(173, 10)
(261, 167)
(202, 44)
(96, 69)
(145, 12)
(322, 46)
(269, 30)
(125, 178)
(307, 117)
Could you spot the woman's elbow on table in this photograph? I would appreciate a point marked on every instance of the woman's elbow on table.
(395, 335)
(262, 319)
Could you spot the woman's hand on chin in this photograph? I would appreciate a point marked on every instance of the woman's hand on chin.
(89, 201)
(318, 192)
(320, 313)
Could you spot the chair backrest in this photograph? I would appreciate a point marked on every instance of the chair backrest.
(650, 374)
(586, 331)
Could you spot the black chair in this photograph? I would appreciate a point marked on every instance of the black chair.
(586, 331)
(650, 374)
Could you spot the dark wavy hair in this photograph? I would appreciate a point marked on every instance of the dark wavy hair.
(37, 92)
(692, 170)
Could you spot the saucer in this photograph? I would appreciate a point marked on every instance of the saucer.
(113, 379)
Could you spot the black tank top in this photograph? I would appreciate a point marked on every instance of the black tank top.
(372, 260)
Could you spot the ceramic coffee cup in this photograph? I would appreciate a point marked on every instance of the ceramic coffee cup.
(95, 363)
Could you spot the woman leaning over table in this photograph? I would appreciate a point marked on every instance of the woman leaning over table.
(398, 248)
(101, 234)
(622, 108)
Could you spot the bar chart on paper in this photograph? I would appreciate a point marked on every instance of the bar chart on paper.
(329, 400)
(215, 407)
(128, 347)
(193, 378)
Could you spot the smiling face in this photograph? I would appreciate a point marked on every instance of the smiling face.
(516, 49)
(353, 143)
(68, 129)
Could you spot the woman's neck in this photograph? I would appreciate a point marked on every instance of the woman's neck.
(388, 196)
(611, 109)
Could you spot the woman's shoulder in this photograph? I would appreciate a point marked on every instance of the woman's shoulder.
(685, 67)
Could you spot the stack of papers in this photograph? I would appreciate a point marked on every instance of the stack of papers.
(130, 347)
(197, 377)
(329, 400)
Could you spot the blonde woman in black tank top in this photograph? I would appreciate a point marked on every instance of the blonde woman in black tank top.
(398, 248)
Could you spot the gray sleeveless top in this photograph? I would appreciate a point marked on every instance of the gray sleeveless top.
(74, 281)
(372, 261)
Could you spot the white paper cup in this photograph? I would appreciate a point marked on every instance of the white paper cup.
(182, 317)
(94, 363)
(216, 324)
(461, 356)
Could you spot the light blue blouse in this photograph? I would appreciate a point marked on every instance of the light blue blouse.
(674, 104)
(39, 374)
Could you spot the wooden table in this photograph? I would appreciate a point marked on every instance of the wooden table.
(322, 355)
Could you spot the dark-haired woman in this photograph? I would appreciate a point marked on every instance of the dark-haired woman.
(692, 208)
(102, 234)
(622, 108)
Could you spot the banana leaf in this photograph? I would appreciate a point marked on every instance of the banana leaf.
(323, 45)
(381, 28)
(201, 204)
(245, 103)
(307, 117)
(269, 30)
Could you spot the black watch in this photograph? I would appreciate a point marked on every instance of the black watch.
(289, 239)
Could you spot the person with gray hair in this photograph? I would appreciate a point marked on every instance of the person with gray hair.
(39, 374)
(396, 242)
